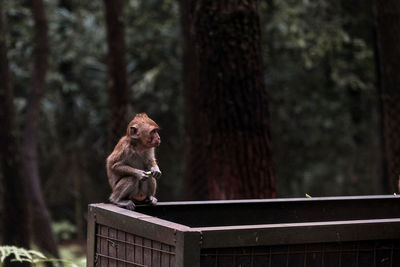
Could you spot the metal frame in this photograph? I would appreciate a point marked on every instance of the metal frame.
(184, 239)
(287, 221)
(272, 211)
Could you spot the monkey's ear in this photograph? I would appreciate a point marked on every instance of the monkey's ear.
(133, 132)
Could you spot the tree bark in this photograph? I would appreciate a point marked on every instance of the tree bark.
(387, 13)
(15, 224)
(227, 117)
(195, 183)
(41, 221)
(118, 92)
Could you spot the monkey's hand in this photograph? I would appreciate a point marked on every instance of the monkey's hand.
(143, 175)
(155, 172)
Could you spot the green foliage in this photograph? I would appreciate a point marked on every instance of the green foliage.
(31, 256)
(74, 252)
(321, 81)
(74, 117)
(20, 254)
(319, 69)
(154, 71)
(64, 230)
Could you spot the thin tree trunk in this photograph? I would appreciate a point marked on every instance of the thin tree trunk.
(230, 121)
(118, 92)
(388, 38)
(15, 222)
(195, 183)
(77, 174)
(41, 221)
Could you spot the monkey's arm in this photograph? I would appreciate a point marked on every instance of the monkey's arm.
(151, 164)
(122, 170)
(155, 170)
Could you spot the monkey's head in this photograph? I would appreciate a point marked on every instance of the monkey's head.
(143, 131)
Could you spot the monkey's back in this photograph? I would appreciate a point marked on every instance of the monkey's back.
(123, 154)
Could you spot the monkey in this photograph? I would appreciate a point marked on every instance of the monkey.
(132, 169)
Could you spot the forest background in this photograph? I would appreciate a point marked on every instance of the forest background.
(322, 73)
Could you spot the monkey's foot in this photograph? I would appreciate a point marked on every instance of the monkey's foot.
(127, 204)
(130, 206)
(152, 200)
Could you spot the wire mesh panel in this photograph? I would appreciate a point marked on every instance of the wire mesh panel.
(269, 233)
(117, 248)
(346, 254)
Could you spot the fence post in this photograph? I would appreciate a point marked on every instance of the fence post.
(91, 237)
(188, 248)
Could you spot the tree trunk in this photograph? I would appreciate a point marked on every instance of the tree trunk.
(15, 225)
(388, 38)
(118, 92)
(195, 183)
(41, 221)
(227, 116)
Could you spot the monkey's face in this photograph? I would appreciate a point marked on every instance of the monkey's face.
(154, 138)
(144, 131)
(147, 135)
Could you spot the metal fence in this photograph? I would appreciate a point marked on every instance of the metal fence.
(320, 232)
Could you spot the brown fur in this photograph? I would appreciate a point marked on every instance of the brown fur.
(132, 157)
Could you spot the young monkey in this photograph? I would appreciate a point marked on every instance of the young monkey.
(132, 169)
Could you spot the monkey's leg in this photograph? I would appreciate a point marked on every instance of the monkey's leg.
(152, 185)
(149, 187)
(124, 188)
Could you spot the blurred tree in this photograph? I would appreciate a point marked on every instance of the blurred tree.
(15, 222)
(321, 83)
(230, 150)
(119, 104)
(40, 216)
(320, 80)
(388, 43)
(194, 172)
(76, 126)
(154, 80)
